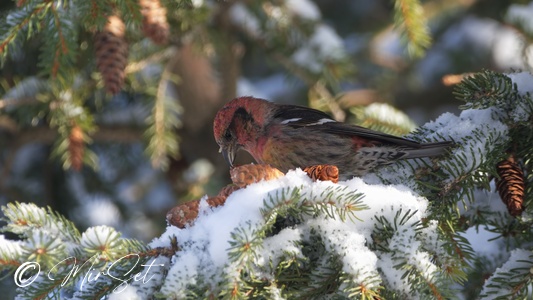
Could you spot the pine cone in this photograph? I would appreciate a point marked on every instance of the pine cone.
(227, 190)
(155, 25)
(248, 174)
(323, 173)
(112, 54)
(511, 185)
(186, 213)
(76, 147)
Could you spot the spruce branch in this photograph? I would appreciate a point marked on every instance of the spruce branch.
(45, 249)
(93, 14)
(59, 48)
(23, 20)
(162, 124)
(317, 273)
(282, 203)
(383, 117)
(312, 259)
(43, 288)
(73, 121)
(453, 253)
(244, 244)
(487, 89)
(403, 241)
(24, 92)
(24, 218)
(89, 266)
(131, 10)
(52, 20)
(513, 279)
(410, 21)
(244, 279)
(337, 201)
(324, 278)
(386, 228)
(10, 254)
(332, 202)
(525, 138)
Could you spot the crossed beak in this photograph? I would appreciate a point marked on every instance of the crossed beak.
(229, 151)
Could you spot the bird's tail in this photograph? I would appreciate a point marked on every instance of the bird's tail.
(428, 150)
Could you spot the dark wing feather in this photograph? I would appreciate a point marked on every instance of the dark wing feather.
(411, 148)
(300, 115)
(417, 149)
(358, 131)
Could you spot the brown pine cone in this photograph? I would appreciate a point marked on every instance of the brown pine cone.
(323, 173)
(227, 190)
(76, 147)
(112, 54)
(244, 175)
(154, 23)
(511, 185)
(183, 214)
(216, 201)
(186, 213)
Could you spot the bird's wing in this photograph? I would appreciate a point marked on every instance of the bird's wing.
(358, 131)
(299, 116)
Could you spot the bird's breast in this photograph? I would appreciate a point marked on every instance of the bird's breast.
(257, 148)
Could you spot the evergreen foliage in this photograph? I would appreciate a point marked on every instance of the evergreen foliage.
(383, 117)
(409, 18)
(63, 259)
(298, 247)
(395, 234)
(163, 142)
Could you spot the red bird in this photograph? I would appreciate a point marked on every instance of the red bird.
(290, 136)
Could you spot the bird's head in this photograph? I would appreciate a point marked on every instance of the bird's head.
(237, 125)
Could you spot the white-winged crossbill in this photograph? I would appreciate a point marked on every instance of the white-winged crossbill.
(290, 136)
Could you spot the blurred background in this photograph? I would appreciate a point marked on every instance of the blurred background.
(112, 124)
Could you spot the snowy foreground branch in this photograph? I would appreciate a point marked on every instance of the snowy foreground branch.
(418, 229)
(347, 238)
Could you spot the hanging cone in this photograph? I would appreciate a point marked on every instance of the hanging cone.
(76, 147)
(511, 185)
(323, 173)
(112, 54)
(154, 23)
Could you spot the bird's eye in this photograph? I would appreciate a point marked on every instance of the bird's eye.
(228, 135)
